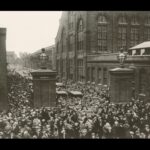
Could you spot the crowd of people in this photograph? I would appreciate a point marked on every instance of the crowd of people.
(92, 116)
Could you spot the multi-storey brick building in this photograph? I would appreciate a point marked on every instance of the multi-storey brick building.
(87, 43)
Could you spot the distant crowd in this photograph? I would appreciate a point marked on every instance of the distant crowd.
(91, 115)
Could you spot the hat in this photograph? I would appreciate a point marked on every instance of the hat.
(107, 125)
(131, 132)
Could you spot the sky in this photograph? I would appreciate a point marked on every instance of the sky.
(28, 31)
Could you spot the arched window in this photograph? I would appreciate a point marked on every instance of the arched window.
(147, 34)
(147, 29)
(122, 20)
(147, 20)
(80, 35)
(80, 73)
(102, 34)
(57, 48)
(70, 20)
(134, 33)
(102, 19)
(80, 25)
(63, 38)
(71, 38)
(122, 33)
(58, 66)
(134, 20)
(71, 69)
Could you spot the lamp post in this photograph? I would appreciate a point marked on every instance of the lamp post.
(44, 84)
(43, 59)
(121, 57)
(121, 86)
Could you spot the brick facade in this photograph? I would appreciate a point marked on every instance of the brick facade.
(123, 29)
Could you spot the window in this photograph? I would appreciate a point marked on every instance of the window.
(70, 20)
(134, 36)
(99, 75)
(63, 68)
(122, 20)
(122, 33)
(134, 21)
(102, 33)
(147, 34)
(71, 69)
(80, 27)
(70, 42)
(88, 74)
(102, 19)
(80, 74)
(63, 37)
(80, 35)
(93, 75)
(58, 66)
(122, 37)
(57, 48)
(147, 21)
(105, 76)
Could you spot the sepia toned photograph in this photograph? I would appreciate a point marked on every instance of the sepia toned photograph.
(74, 74)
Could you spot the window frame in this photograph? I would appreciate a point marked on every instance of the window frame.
(102, 34)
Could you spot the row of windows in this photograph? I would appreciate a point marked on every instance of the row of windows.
(80, 71)
(123, 20)
(100, 73)
(102, 34)
(102, 39)
(102, 19)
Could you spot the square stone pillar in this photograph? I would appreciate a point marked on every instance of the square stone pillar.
(44, 86)
(121, 84)
(3, 71)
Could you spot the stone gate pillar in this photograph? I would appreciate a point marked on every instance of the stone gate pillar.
(121, 80)
(3, 71)
(44, 84)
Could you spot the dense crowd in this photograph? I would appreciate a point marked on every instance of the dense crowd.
(90, 116)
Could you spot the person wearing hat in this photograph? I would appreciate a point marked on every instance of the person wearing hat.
(26, 135)
(1, 135)
(107, 130)
(131, 134)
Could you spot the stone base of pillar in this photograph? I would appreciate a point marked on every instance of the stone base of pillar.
(44, 86)
(121, 84)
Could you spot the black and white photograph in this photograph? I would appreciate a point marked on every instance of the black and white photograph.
(75, 74)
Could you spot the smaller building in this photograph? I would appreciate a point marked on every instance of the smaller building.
(140, 49)
(50, 52)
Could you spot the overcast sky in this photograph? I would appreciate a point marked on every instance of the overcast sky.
(28, 31)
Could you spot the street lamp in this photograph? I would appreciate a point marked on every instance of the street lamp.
(121, 57)
(43, 59)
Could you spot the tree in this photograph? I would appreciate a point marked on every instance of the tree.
(25, 59)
